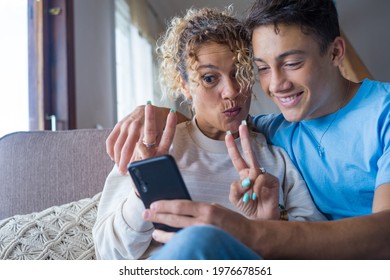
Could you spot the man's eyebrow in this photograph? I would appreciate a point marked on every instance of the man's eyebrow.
(283, 55)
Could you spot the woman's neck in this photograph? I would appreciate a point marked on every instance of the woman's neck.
(217, 135)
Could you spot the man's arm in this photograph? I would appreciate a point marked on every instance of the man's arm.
(127, 132)
(381, 198)
(363, 237)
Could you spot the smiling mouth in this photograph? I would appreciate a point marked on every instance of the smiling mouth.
(289, 99)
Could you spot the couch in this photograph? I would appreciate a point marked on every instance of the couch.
(50, 185)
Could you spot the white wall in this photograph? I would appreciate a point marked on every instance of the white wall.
(364, 22)
(94, 63)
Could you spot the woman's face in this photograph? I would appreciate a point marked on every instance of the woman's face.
(218, 104)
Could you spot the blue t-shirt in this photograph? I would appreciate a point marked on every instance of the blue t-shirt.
(354, 157)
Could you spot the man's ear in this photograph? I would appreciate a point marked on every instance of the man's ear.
(338, 50)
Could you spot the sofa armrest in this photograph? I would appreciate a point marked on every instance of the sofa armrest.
(41, 169)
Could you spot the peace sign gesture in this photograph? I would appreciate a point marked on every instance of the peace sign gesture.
(256, 194)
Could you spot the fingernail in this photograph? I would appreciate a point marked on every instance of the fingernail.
(243, 122)
(228, 132)
(254, 196)
(245, 199)
(245, 183)
(148, 102)
(146, 215)
(152, 206)
(173, 110)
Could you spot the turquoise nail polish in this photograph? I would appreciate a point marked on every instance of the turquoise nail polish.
(173, 110)
(148, 102)
(245, 199)
(228, 132)
(243, 122)
(245, 183)
(254, 196)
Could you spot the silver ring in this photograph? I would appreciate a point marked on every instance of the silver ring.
(148, 145)
(262, 170)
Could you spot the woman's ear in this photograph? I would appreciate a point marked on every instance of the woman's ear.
(185, 90)
(338, 50)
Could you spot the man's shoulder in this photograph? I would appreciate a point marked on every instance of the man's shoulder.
(262, 123)
(376, 87)
(268, 118)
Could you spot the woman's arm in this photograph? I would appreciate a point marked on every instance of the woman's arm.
(120, 231)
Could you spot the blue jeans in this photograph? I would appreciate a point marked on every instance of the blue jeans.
(204, 243)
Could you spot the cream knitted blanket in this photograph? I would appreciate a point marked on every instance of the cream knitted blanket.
(57, 233)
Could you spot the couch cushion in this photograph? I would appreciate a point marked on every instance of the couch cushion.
(43, 168)
(57, 233)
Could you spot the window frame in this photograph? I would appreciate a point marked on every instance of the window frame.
(52, 102)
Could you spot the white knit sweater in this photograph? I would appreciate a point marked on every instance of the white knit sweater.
(121, 233)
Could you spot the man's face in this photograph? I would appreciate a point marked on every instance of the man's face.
(293, 72)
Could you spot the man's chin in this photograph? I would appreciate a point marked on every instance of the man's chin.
(292, 116)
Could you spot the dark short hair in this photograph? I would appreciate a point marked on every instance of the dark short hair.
(316, 18)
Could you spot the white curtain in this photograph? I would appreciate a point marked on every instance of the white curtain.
(134, 63)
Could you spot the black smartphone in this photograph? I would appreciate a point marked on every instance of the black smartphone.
(158, 178)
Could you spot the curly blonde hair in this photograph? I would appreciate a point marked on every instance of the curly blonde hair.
(177, 48)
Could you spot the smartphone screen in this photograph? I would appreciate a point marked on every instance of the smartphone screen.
(158, 178)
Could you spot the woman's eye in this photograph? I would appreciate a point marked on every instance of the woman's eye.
(208, 79)
(261, 69)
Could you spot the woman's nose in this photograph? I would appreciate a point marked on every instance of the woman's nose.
(231, 89)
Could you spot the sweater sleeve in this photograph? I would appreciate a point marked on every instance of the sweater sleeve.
(119, 231)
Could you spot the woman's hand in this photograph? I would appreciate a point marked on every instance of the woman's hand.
(256, 194)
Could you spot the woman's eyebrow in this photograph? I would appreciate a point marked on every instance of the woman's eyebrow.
(207, 66)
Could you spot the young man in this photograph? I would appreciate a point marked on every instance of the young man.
(336, 132)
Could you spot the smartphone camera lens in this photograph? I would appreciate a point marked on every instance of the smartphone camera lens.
(144, 187)
(142, 184)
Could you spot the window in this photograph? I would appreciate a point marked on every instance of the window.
(134, 63)
(51, 65)
(14, 113)
(36, 70)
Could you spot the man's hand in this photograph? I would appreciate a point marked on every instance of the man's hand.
(256, 194)
(128, 132)
(122, 140)
(184, 213)
(149, 146)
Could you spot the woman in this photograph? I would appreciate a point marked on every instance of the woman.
(205, 58)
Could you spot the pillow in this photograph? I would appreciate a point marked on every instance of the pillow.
(57, 233)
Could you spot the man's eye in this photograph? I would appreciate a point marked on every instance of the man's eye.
(293, 65)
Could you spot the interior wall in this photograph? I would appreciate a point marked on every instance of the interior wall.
(94, 27)
(365, 23)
